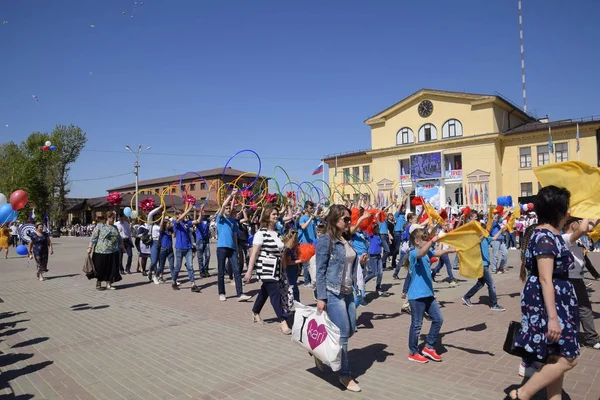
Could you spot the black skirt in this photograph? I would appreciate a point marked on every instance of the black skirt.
(107, 267)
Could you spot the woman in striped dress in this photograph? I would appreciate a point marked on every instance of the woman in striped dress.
(267, 257)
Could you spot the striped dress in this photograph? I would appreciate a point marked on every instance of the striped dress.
(268, 264)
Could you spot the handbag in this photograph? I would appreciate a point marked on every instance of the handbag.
(88, 267)
(511, 348)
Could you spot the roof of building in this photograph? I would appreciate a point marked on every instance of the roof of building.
(171, 202)
(543, 126)
(473, 97)
(206, 174)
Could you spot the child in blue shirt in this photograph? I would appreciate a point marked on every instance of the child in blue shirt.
(421, 296)
(375, 261)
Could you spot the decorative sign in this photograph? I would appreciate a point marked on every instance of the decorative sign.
(426, 166)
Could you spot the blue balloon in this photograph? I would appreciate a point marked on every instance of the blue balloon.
(52, 147)
(127, 212)
(22, 250)
(6, 213)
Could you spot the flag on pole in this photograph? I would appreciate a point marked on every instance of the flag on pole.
(32, 216)
(319, 169)
(577, 138)
(550, 147)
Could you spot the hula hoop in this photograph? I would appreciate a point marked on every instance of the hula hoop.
(235, 155)
(186, 194)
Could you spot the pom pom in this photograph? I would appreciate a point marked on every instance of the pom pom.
(190, 199)
(417, 201)
(466, 211)
(246, 194)
(291, 195)
(444, 214)
(367, 224)
(270, 198)
(354, 215)
(498, 210)
(252, 206)
(306, 251)
(114, 198)
(381, 216)
(147, 204)
(433, 259)
(423, 218)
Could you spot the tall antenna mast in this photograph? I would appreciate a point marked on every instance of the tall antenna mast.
(522, 57)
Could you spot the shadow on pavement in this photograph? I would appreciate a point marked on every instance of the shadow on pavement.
(130, 285)
(30, 342)
(11, 314)
(365, 319)
(12, 324)
(9, 375)
(12, 331)
(49, 278)
(541, 395)
(11, 358)
(441, 347)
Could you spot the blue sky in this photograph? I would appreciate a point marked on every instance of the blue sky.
(291, 80)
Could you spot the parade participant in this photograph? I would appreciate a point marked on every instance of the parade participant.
(421, 296)
(125, 231)
(4, 236)
(266, 257)
(444, 260)
(154, 229)
(307, 233)
(183, 248)
(384, 234)
(39, 246)
(166, 249)
(360, 243)
(104, 246)
(337, 265)
(375, 260)
(14, 234)
(499, 250)
(227, 229)
(203, 243)
(550, 322)
(400, 218)
(292, 261)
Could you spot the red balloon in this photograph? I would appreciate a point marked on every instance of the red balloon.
(46, 148)
(18, 199)
(530, 206)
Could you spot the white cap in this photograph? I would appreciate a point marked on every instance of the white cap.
(414, 227)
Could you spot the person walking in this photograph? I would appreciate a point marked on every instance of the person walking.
(39, 247)
(4, 236)
(124, 228)
(203, 243)
(183, 249)
(307, 233)
(104, 246)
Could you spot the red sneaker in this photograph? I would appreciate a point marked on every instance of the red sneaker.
(430, 353)
(417, 358)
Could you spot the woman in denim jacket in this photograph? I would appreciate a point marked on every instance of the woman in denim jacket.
(337, 264)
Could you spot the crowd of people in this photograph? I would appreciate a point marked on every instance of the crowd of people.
(353, 244)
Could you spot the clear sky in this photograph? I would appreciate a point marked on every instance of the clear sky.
(293, 80)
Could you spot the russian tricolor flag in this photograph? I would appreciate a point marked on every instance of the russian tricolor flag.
(319, 169)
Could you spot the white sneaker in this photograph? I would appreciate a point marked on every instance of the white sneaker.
(155, 280)
(244, 297)
(596, 346)
(222, 297)
(232, 283)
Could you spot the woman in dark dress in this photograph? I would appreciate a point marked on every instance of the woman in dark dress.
(39, 246)
(105, 243)
(550, 316)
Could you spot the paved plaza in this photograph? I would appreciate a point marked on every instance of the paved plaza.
(62, 339)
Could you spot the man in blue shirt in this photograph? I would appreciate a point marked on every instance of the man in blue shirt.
(384, 234)
(203, 243)
(400, 217)
(307, 234)
(498, 245)
(227, 231)
(183, 248)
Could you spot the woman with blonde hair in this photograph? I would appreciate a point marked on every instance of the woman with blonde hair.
(104, 247)
(337, 265)
(266, 256)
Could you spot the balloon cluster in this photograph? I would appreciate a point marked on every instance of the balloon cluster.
(129, 213)
(114, 198)
(527, 207)
(48, 146)
(147, 204)
(9, 210)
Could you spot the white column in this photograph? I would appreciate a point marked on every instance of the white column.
(443, 193)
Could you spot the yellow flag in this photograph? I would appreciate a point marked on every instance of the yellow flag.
(511, 221)
(490, 218)
(582, 180)
(465, 237)
(595, 233)
(470, 263)
(433, 215)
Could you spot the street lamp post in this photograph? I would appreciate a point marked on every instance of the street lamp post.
(136, 170)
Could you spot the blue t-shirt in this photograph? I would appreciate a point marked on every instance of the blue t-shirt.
(375, 244)
(421, 284)
(383, 228)
(485, 250)
(495, 228)
(360, 243)
(182, 236)
(406, 234)
(166, 240)
(309, 234)
(400, 222)
(226, 227)
(202, 230)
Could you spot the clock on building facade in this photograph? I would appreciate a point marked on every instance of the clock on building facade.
(425, 108)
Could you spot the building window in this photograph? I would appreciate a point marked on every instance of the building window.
(561, 152)
(405, 136)
(543, 155)
(202, 186)
(346, 175)
(526, 189)
(173, 189)
(525, 156)
(451, 128)
(356, 173)
(427, 132)
(157, 191)
(405, 167)
(192, 187)
(366, 173)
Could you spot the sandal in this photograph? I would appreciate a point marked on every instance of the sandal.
(257, 319)
(286, 331)
(509, 397)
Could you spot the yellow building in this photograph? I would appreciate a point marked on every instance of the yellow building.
(458, 148)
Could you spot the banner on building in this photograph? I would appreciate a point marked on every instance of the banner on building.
(430, 190)
(426, 166)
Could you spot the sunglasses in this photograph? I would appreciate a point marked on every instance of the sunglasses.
(347, 220)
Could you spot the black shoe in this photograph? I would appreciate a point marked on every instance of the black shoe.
(395, 277)
(144, 273)
(149, 276)
(195, 289)
(174, 286)
(128, 272)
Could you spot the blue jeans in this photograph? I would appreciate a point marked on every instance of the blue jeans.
(444, 260)
(406, 283)
(179, 254)
(397, 242)
(154, 250)
(165, 253)
(375, 270)
(225, 254)
(418, 307)
(342, 312)
(512, 240)
(203, 254)
(486, 279)
(400, 261)
(306, 272)
(128, 245)
(385, 243)
(455, 261)
(498, 247)
(292, 275)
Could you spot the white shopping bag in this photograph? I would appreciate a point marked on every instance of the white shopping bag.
(312, 269)
(315, 332)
